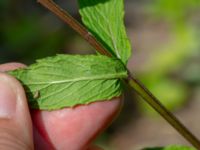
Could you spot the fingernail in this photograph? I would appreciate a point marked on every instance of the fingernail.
(8, 98)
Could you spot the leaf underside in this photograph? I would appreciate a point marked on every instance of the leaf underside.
(105, 20)
(69, 80)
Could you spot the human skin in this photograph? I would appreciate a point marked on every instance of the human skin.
(68, 128)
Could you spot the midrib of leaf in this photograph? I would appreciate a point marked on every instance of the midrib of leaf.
(114, 41)
(98, 77)
(105, 21)
(111, 35)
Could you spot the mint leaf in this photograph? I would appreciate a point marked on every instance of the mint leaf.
(104, 19)
(70, 80)
(172, 147)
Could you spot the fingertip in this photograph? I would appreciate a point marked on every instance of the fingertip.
(78, 126)
(14, 114)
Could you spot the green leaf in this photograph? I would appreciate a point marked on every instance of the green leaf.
(172, 147)
(105, 20)
(69, 80)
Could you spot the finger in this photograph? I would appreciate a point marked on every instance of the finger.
(15, 121)
(73, 128)
(41, 133)
(11, 66)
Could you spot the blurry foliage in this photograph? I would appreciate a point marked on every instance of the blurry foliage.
(173, 147)
(27, 39)
(182, 47)
(171, 94)
(174, 11)
(30, 32)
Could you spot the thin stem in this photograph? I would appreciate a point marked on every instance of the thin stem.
(134, 83)
(163, 111)
(74, 24)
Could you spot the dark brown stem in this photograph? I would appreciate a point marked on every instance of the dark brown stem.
(163, 111)
(134, 83)
(63, 15)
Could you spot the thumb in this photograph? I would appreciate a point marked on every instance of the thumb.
(15, 120)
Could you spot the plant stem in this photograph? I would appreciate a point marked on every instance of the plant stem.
(134, 83)
(74, 24)
(163, 111)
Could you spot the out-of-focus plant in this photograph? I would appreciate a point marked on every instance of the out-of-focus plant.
(26, 34)
(174, 11)
(182, 46)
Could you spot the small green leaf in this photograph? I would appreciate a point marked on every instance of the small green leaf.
(70, 80)
(105, 19)
(172, 147)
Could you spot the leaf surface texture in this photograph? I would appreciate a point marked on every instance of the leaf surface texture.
(69, 80)
(105, 20)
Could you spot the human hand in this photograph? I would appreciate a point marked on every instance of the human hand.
(69, 128)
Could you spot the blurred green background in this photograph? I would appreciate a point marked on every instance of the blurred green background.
(165, 36)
